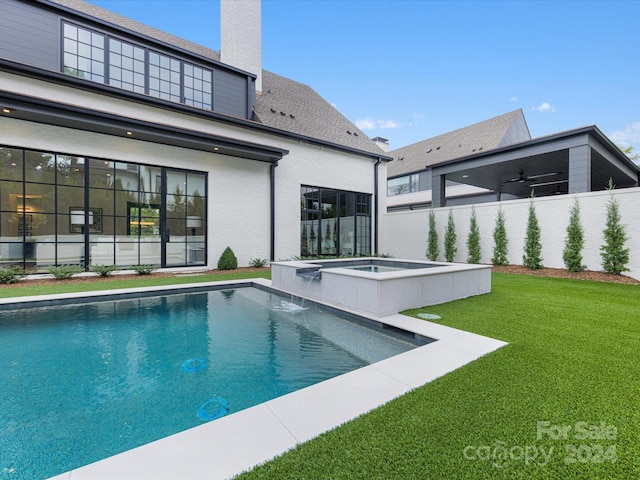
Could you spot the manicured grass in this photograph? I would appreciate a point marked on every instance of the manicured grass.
(130, 282)
(572, 357)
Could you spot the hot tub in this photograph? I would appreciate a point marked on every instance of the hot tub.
(380, 286)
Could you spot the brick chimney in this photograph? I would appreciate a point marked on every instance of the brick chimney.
(241, 36)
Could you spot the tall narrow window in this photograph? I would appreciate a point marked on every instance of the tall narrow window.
(83, 53)
(198, 84)
(164, 77)
(126, 66)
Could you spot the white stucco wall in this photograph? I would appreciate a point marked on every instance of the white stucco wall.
(404, 234)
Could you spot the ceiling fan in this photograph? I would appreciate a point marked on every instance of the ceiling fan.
(526, 178)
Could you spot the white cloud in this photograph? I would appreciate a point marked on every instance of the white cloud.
(384, 124)
(366, 124)
(629, 135)
(544, 107)
(514, 99)
(371, 124)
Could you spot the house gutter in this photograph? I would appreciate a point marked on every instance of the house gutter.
(272, 201)
(375, 205)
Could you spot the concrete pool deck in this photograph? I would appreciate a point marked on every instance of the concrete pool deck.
(235, 443)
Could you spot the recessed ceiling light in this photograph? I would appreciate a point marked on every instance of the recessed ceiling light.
(129, 133)
(6, 110)
(215, 149)
(465, 176)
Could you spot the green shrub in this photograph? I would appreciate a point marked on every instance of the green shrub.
(258, 262)
(228, 260)
(64, 272)
(572, 253)
(473, 240)
(532, 257)
(450, 237)
(432, 242)
(143, 269)
(614, 256)
(10, 275)
(500, 241)
(103, 270)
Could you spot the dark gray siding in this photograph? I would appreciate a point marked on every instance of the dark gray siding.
(230, 93)
(29, 35)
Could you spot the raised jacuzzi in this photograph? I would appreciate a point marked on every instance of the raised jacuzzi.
(380, 286)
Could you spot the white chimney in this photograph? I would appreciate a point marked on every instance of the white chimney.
(241, 36)
(383, 143)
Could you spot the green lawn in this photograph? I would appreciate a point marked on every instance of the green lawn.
(24, 289)
(572, 361)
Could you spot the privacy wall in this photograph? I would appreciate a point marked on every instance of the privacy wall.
(404, 234)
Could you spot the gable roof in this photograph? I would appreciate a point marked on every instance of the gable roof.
(490, 134)
(285, 104)
(295, 107)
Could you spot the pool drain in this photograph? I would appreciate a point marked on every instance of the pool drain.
(194, 365)
(213, 408)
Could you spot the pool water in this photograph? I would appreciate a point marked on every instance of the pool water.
(86, 381)
(376, 268)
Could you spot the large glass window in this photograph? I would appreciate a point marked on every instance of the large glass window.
(61, 209)
(334, 222)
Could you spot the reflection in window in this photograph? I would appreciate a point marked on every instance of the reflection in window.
(197, 86)
(83, 53)
(402, 185)
(164, 77)
(48, 212)
(126, 66)
(334, 222)
(135, 68)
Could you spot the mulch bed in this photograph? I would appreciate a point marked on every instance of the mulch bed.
(561, 273)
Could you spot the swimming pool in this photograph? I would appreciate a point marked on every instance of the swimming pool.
(86, 381)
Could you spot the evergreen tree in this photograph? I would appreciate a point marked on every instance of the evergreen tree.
(572, 253)
(500, 241)
(450, 239)
(473, 240)
(432, 241)
(532, 257)
(614, 256)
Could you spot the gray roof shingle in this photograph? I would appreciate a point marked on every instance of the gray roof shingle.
(500, 131)
(295, 107)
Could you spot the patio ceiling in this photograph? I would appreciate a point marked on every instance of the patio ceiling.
(542, 165)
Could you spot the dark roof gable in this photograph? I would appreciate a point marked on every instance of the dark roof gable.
(495, 132)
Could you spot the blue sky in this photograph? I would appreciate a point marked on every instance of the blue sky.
(410, 70)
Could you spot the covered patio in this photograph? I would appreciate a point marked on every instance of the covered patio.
(575, 161)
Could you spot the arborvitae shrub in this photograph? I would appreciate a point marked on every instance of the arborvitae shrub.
(228, 260)
(532, 257)
(473, 240)
(614, 256)
(432, 241)
(500, 241)
(574, 243)
(450, 239)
